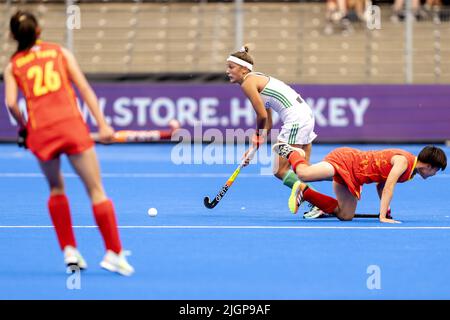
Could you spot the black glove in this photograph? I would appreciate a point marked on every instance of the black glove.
(22, 138)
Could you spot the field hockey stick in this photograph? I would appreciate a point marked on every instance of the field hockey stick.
(361, 215)
(357, 215)
(371, 215)
(211, 204)
(130, 136)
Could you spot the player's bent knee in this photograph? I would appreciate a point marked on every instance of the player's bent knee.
(279, 174)
(345, 217)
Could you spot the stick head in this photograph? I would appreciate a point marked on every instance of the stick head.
(208, 204)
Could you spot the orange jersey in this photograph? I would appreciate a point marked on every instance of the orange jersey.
(41, 73)
(355, 167)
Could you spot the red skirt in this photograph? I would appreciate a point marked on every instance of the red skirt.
(66, 137)
(342, 159)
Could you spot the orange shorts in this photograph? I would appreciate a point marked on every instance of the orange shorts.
(342, 161)
(66, 137)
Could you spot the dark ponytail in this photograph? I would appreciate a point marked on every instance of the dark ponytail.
(24, 28)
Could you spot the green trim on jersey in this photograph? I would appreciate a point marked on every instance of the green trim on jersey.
(277, 95)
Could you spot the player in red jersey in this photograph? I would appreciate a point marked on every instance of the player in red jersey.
(44, 72)
(351, 168)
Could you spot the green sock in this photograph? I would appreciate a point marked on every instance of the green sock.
(289, 179)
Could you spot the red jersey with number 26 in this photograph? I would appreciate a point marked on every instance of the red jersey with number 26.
(41, 73)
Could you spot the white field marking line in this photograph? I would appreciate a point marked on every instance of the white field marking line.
(142, 175)
(246, 227)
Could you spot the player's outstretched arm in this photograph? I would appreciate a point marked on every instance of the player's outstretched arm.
(11, 94)
(251, 91)
(380, 187)
(400, 164)
(106, 133)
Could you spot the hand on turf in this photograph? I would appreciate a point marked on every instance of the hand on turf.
(106, 134)
(386, 220)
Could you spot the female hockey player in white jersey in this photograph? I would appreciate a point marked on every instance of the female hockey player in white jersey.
(267, 93)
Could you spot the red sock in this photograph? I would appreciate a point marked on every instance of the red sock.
(58, 206)
(106, 220)
(321, 201)
(295, 159)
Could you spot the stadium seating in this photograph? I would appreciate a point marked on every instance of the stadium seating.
(288, 40)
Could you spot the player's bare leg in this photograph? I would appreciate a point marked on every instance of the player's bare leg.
(347, 202)
(87, 167)
(307, 148)
(305, 172)
(58, 206)
(282, 165)
(52, 172)
(317, 172)
(298, 160)
(282, 170)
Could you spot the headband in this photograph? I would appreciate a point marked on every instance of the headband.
(240, 62)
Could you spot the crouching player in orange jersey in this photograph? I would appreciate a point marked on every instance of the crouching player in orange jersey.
(44, 72)
(351, 168)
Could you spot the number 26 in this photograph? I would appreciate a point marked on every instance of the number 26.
(45, 81)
